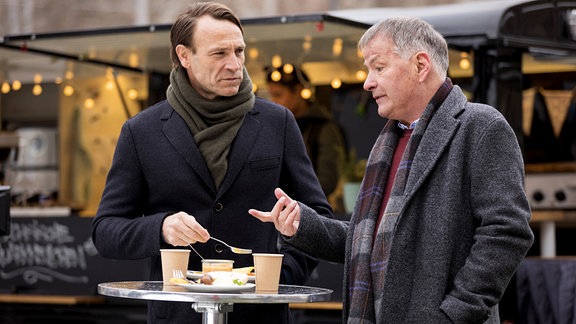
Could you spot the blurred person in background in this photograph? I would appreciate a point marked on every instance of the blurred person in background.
(288, 86)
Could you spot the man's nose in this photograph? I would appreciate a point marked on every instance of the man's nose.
(369, 83)
(234, 63)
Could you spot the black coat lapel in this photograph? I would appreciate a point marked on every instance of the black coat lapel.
(179, 135)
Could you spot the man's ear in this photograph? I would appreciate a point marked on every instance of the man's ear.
(423, 65)
(183, 55)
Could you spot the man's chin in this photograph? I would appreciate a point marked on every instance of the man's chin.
(228, 92)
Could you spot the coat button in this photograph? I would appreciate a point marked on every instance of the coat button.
(218, 207)
(219, 248)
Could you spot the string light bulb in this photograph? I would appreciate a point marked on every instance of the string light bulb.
(336, 83)
(253, 53)
(5, 87)
(89, 103)
(361, 75)
(133, 94)
(68, 90)
(307, 44)
(276, 61)
(288, 68)
(37, 90)
(337, 47)
(276, 76)
(109, 79)
(133, 60)
(306, 93)
(464, 62)
(16, 85)
(37, 78)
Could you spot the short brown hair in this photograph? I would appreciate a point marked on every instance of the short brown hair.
(182, 31)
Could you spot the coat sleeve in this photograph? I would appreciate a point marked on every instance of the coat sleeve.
(119, 231)
(319, 236)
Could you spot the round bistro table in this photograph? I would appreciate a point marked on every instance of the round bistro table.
(214, 306)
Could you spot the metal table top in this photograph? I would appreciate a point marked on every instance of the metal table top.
(156, 290)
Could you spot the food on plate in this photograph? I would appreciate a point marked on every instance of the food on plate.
(226, 278)
(179, 280)
(246, 270)
(206, 279)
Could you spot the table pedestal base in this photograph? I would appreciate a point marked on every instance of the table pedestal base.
(213, 313)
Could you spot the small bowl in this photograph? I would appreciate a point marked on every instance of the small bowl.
(210, 265)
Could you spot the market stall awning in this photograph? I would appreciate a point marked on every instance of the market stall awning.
(146, 48)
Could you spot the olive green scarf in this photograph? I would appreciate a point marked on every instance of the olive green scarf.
(213, 123)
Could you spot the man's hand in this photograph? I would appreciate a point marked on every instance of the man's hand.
(285, 214)
(181, 229)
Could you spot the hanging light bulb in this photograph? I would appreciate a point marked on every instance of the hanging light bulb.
(5, 87)
(306, 93)
(37, 78)
(288, 68)
(89, 103)
(361, 75)
(16, 85)
(37, 90)
(109, 85)
(58, 80)
(276, 61)
(133, 94)
(464, 62)
(253, 53)
(254, 87)
(336, 83)
(68, 90)
(337, 47)
(276, 76)
(109, 78)
(133, 60)
(69, 75)
(307, 44)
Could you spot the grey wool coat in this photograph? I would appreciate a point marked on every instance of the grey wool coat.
(464, 226)
(158, 170)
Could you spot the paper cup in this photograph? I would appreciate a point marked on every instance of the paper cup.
(173, 259)
(267, 268)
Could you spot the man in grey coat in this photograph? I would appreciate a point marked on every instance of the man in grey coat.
(442, 220)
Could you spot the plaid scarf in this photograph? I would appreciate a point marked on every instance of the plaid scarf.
(369, 254)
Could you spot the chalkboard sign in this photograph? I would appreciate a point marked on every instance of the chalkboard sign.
(55, 255)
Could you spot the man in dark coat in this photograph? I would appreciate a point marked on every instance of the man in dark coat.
(191, 167)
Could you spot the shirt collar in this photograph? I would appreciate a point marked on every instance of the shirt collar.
(411, 126)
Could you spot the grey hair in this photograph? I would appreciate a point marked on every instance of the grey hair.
(409, 36)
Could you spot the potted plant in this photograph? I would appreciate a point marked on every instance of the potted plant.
(352, 173)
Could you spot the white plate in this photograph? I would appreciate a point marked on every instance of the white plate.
(210, 288)
(195, 275)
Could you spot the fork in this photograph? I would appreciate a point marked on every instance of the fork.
(193, 249)
(177, 274)
(233, 248)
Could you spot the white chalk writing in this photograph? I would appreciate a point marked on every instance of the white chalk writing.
(37, 232)
(43, 251)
